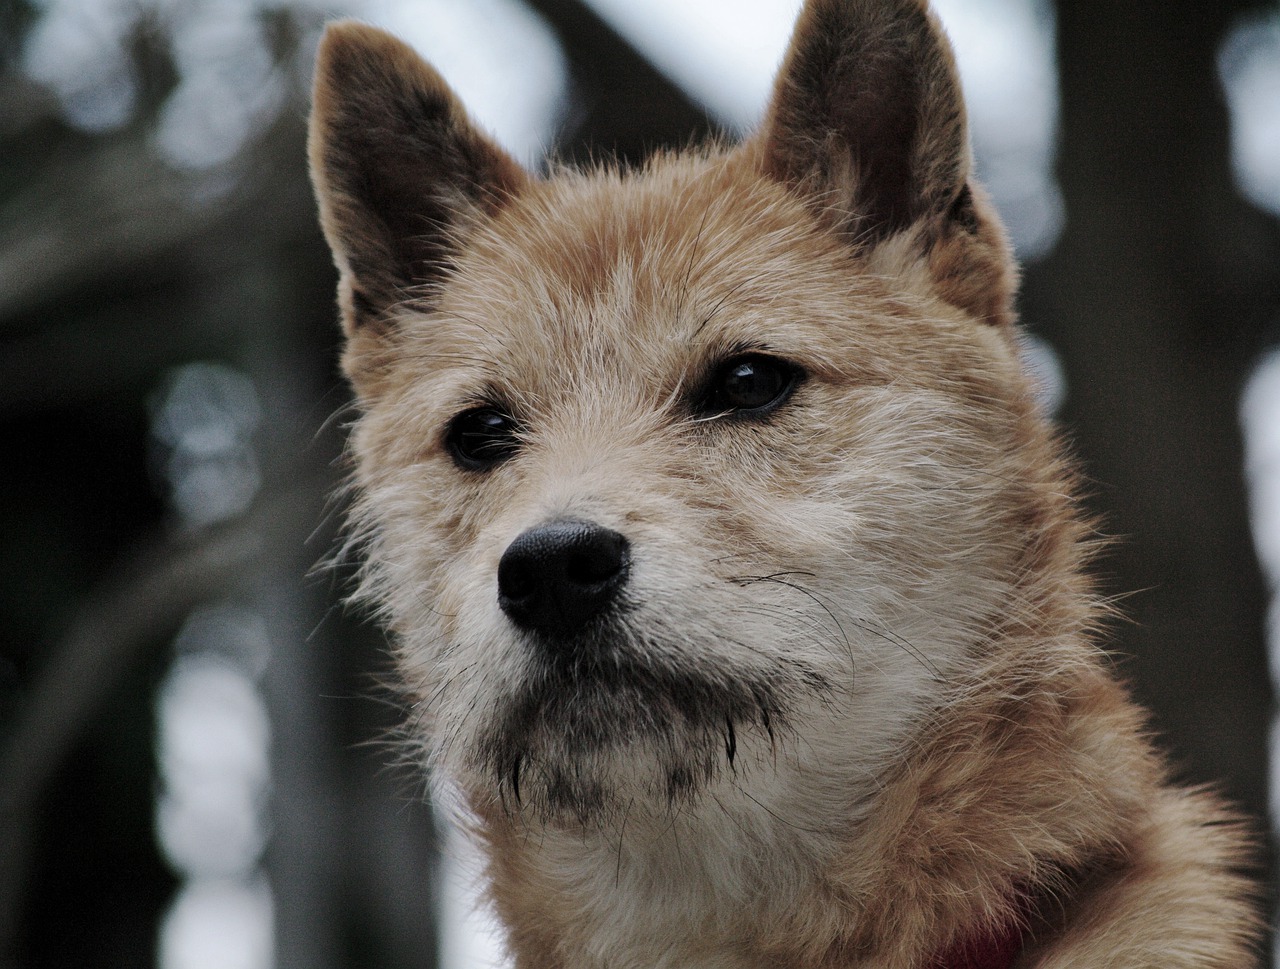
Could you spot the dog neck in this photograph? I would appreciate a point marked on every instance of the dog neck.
(989, 948)
(917, 875)
(677, 916)
(995, 950)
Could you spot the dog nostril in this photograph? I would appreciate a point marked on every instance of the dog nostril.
(516, 576)
(555, 578)
(597, 562)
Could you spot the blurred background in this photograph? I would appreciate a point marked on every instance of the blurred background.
(195, 770)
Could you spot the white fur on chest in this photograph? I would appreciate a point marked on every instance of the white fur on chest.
(685, 896)
(695, 887)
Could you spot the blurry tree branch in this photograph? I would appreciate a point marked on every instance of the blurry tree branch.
(91, 214)
(23, 104)
(114, 214)
(1158, 298)
(136, 608)
(625, 105)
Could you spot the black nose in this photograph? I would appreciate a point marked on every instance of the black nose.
(555, 578)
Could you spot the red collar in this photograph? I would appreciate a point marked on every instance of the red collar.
(996, 949)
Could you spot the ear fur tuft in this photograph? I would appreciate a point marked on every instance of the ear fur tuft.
(399, 169)
(868, 104)
(868, 121)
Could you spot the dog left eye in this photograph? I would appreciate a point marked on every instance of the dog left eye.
(750, 384)
(480, 438)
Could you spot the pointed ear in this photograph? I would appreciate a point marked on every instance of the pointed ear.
(868, 121)
(399, 170)
(867, 112)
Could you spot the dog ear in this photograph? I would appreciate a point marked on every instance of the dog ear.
(399, 170)
(867, 110)
(868, 121)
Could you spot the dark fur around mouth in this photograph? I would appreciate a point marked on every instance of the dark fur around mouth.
(682, 726)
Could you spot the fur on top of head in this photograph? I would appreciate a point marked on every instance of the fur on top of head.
(866, 123)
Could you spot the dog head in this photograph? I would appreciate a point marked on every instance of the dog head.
(696, 482)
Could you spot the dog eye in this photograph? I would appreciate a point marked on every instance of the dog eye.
(480, 438)
(750, 384)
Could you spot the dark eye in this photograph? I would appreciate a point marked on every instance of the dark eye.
(751, 384)
(480, 438)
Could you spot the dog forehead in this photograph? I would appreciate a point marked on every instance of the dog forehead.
(641, 271)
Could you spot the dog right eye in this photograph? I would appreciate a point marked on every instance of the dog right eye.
(481, 438)
(750, 385)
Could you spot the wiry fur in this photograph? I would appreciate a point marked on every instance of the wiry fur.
(850, 712)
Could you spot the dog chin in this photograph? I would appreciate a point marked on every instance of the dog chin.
(594, 735)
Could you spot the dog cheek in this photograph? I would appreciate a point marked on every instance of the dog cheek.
(460, 662)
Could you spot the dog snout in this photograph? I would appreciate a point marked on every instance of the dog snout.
(555, 578)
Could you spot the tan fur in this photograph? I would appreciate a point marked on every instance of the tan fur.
(880, 582)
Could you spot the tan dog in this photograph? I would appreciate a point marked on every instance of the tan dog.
(736, 580)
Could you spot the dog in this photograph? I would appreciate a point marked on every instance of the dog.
(735, 578)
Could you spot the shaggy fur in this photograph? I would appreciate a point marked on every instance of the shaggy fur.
(846, 709)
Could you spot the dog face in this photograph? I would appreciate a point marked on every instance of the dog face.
(690, 485)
